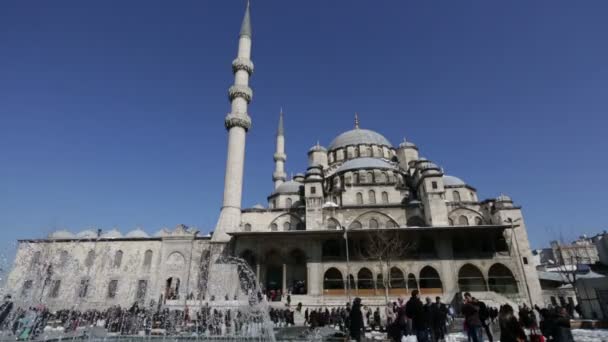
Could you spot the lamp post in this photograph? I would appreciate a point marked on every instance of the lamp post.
(521, 263)
(347, 264)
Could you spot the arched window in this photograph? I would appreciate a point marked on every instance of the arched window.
(463, 220)
(332, 224)
(397, 280)
(355, 177)
(36, 259)
(478, 221)
(384, 197)
(380, 282)
(333, 283)
(90, 258)
(274, 227)
(356, 225)
(450, 222)
(373, 224)
(247, 227)
(370, 177)
(430, 282)
(391, 224)
(372, 197)
(412, 284)
(470, 279)
(501, 279)
(148, 259)
(456, 196)
(359, 198)
(288, 203)
(365, 279)
(117, 259)
(286, 226)
(63, 258)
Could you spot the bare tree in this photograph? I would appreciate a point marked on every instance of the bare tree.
(568, 258)
(385, 246)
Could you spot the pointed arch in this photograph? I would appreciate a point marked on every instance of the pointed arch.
(148, 259)
(501, 279)
(371, 196)
(397, 279)
(365, 281)
(359, 198)
(333, 282)
(373, 223)
(471, 279)
(478, 221)
(412, 284)
(430, 282)
(247, 227)
(118, 259)
(384, 197)
(287, 221)
(356, 225)
(456, 196)
(288, 203)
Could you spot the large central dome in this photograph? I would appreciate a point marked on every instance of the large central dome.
(359, 136)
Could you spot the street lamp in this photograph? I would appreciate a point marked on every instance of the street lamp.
(347, 264)
(512, 222)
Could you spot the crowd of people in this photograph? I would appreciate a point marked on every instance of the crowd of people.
(430, 321)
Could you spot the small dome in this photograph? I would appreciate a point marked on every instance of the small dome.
(503, 198)
(258, 206)
(87, 234)
(428, 165)
(288, 187)
(112, 234)
(317, 148)
(162, 232)
(452, 181)
(364, 163)
(406, 143)
(314, 171)
(359, 136)
(61, 234)
(137, 234)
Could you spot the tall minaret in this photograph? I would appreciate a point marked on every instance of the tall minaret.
(237, 123)
(279, 175)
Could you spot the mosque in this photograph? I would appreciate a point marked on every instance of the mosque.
(366, 218)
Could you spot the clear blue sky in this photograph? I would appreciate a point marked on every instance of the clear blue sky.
(111, 112)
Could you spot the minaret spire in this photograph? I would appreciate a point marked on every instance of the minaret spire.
(356, 120)
(237, 123)
(279, 176)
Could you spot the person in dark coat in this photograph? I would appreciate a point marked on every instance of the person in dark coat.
(510, 329)
(356, 320)
(470, 310)
(561, 329)
(438, 320)
(414, 309)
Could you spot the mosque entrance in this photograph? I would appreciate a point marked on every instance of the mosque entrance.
(274, 278)
(172, 288)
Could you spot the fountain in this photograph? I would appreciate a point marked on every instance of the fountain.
(242, 317)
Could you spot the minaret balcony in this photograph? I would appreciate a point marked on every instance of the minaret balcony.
(240, 120)
(241, 91)
(241, 63)
(280, 157)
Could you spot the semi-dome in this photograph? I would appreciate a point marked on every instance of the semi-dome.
(62, 234)
(365, 163)
(452, 181)
(359, 136)
(137, 234)
(288, 187)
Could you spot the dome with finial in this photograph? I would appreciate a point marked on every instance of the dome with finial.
(289, 187)
(61, 234)
(503, 198)
(406, 143)
(452, 181)
(137, 233)
(358, 136)
(112, 234)
(318, 148)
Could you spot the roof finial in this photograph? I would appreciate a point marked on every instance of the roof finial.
(280, 130)
(356, 120)
(246, 25)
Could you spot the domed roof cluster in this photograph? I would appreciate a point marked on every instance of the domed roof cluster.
(365, 163)
(288, 187)
(503, 198)
(88, 234)
(358, 136)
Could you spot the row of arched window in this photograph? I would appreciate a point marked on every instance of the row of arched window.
(360, 151)
(457, 198)
(470, 278)
(90, 259)
(462, 220)
(371, 197)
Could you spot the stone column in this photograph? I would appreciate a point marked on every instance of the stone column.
(284, 279)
